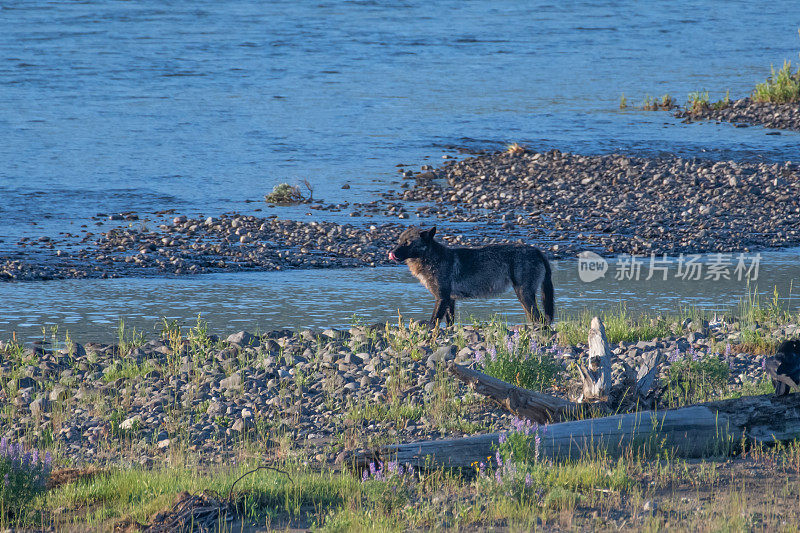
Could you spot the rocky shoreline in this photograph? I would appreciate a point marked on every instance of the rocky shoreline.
(748, 112)
(325, 391)
(563, 203)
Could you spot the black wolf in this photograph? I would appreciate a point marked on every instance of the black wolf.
(784, 367)
(451, 274)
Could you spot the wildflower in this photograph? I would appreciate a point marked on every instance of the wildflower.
(498, 458)
(510, 345)
(479, 358)
(372, 469)
(537, 444)
(365, 475)
(502, 438)
(674, 356)
(764, 363)
(482, 468)
(727, 348)
(528, 480)
(498, 476)
(492, 353)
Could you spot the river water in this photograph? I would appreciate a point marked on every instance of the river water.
(263, 301)
(203, 106)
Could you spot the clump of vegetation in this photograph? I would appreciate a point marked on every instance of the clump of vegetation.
(516, 149)
(286, 194)
(666, 102)
(23, 475)
(698, 102)
(781, 87)
(521, 360)
(623, 102)
(695, 377)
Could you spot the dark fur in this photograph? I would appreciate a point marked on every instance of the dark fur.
(787, 360)
(452, 274)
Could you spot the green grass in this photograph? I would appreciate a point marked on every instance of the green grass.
(698, 101)
(620, 325)
(780, 87)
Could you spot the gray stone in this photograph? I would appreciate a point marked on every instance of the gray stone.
(234, 381)
(59, 393)
(244, 338)
(40, 406)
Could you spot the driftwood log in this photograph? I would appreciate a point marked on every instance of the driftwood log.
(598, 397)
(596, 375)
(711, 428)
(708, 429)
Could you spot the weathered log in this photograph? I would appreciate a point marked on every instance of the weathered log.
(524, 403)
(597, 377)
(708, 429)
(598, 396)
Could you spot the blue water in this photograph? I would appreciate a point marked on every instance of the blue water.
(109, 106)
(263, 301)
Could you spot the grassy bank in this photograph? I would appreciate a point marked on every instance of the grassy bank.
(709, 357)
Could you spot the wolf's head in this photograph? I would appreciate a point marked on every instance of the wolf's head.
(413, 243)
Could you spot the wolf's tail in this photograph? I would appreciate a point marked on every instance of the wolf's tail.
(547, 294)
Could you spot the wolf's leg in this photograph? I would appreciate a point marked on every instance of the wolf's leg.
(440, 310)
(527, 297)
(450, 315)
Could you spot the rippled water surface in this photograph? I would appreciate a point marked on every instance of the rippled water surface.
(262, 301)
(109, 106)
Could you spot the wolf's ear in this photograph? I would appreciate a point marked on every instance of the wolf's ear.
(428, 235)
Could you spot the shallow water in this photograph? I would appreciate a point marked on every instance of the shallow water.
(114, 106)
(91, 309)
(111, 106)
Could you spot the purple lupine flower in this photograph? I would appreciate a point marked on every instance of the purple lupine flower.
(528, 480)
(48, 459)
(364, 476)
(372, 468)
(498, 476)
(400, 470)
(727, 348)
(391, 466)
(510, 345)
(502, 437)
(498, 458)
(674, 356)
(763, 363)
(4, 446)
(479, 358)
(538, 443)
(492, 353)
(35, 456)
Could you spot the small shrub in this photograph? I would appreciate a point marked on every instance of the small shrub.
(23, 475)
(781, 87)
(522, 362)
(283, 193)
(695, 377)
(652, 104)
(516, 149)
(698, 102)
